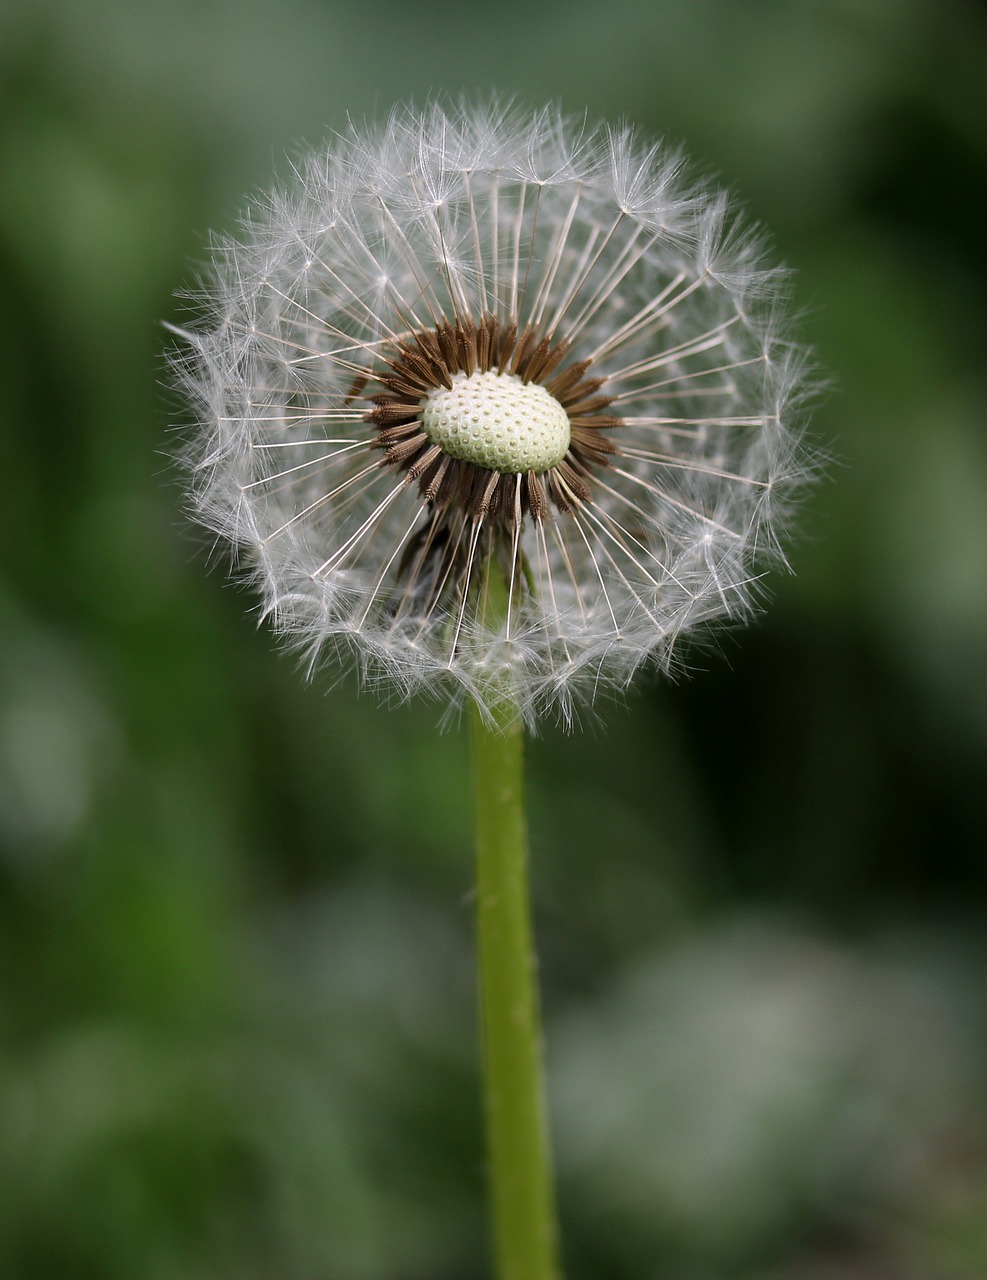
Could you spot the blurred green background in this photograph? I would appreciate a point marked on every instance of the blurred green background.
(236, 991)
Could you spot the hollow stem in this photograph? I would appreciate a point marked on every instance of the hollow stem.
(525, 1236)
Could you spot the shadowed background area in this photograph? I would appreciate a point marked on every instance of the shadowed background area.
(236, 993)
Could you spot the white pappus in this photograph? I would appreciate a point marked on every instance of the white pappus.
(481, 344)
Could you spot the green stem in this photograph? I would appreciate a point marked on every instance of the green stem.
(524, 1230)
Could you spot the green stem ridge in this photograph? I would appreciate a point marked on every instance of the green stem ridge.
(524, 1229)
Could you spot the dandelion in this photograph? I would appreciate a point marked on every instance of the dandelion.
(499, 408)
(481, 344)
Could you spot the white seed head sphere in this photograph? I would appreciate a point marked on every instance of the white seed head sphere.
(495, 420)
(477, 341)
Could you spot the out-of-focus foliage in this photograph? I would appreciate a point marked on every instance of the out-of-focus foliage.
(236, 1011)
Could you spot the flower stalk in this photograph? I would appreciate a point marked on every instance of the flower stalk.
(525, 1236)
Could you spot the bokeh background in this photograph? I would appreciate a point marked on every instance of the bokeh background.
(236, 991)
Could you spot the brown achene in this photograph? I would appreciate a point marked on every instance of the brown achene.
(428, 360)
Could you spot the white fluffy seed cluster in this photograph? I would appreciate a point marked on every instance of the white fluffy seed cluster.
(591, 238)
(495, 420)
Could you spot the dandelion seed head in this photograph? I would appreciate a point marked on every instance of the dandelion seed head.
(480, 340)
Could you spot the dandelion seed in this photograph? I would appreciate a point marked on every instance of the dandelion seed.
(487, 338)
